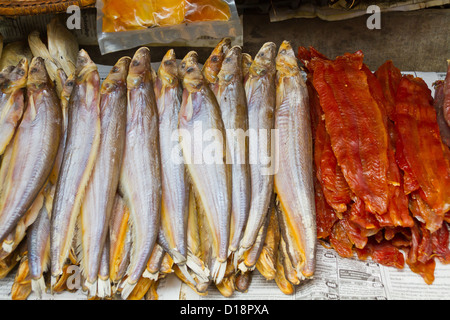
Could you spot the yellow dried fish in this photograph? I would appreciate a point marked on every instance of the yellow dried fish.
(140, 180)
(233, 107)
(13, 52)
(100, 191)
(260, 93)
(33, 149)
(82, 141)
(174, 206)
(13, 81)
(213, 64)
(293, 181)
(120, 240)
(38, 242)
(62, 45)
(200, 107)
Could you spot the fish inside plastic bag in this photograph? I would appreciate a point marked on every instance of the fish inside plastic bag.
(126, 24)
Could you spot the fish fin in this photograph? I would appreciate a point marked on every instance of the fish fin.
(8, 246)
(238, 256)
(38, 286)
(91, 288)
(186, 273)
(127, 288)
(103, 288)
(218, 271)
(152, 276)
(177, 257)
(197, 266)
(78, 245)
(244, 268)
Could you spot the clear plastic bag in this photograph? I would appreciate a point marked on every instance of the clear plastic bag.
(125, 24)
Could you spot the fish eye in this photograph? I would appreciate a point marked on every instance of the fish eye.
(283, 51)
(135, 63)
(33, 70)
(115, 69)
(190, 69)
(168, 62)
(215, 59)
(183, 65)
(228, 59)
(261, 54)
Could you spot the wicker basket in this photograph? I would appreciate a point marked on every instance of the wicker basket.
(35, 7)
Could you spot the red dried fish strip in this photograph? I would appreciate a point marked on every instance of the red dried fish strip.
(325, 215)
(340, 240)
(328, 172)
(423, 213)
(389, 77)
(335, 187)
(398, 213)
(420, 143)
(386, 254)
(355, 124)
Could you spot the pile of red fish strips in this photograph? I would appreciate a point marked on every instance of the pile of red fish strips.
(382, 172)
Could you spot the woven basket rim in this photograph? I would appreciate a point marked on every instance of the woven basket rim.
(35, 7)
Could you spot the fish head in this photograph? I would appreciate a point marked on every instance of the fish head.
(37, 74)
(4, 75)
(140, 69)
(84, 66)
(117, 75)
(247, 61)
(232, 65)
(192, 75)
(17, 78)
(67, 88)
(214, 62)
(191, 55)
(62, 76)
(264, 61)
(168, 70)
(286, 61)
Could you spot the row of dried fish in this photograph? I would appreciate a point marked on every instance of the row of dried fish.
(95, 184)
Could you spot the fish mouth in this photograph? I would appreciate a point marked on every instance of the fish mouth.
(84, 66)
(168, 70)
(264, 59)
(36, 73)
(115, 77)
(139, 68)
(193, 78)
(286, 61)
(190, 59)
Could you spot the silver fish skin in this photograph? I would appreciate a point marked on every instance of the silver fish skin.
(175, 197)
(210, 177)
(81, 148)
(38, 243)
(251, 256)
(293, 181)
(33, 149)
(260, 93)
(100, 192)
(233, 106)
(12, 101)
(103, 282)
(67, 87)
(140, 180)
